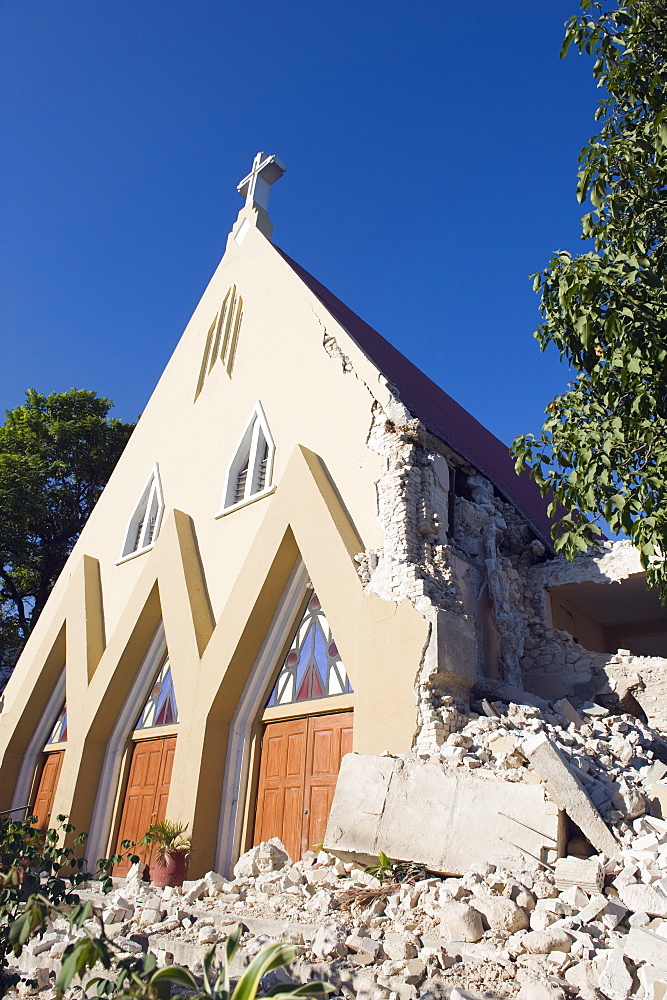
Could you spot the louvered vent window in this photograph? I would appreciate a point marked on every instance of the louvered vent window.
(240, 483)
(145, 521)
(261, 474)
(249, 474)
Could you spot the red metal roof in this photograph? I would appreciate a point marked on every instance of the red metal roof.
(441, 414)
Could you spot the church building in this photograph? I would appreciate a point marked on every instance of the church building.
(282, 570)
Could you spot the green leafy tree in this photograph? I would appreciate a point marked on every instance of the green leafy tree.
(602, 453)
(56, 455)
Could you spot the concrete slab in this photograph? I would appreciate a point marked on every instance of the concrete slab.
(418, 811)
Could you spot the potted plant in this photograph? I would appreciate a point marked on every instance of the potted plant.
(172, 850)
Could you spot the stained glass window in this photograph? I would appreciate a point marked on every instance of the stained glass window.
(160, 708)
(59, 731)
(312, 667)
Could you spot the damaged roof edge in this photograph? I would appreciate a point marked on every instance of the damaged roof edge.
(442, 415)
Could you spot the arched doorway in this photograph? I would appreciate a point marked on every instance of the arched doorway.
(51, 764)
(304, 737)
(150, 764)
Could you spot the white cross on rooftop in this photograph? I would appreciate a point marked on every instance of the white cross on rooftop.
(256, 187)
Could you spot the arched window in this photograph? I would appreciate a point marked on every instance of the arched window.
(312, 668)
(249, 473)
(145, 521)
(160, 708)
(59, 732)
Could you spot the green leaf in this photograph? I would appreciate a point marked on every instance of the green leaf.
(174, 974)
(315, 988)
(271, 957)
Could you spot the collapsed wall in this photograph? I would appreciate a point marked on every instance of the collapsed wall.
(470, 563)
(517, 785)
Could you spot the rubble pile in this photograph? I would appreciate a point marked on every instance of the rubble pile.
(586, 925)
(617, 759)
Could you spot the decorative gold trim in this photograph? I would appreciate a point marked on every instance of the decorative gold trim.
(316, 706)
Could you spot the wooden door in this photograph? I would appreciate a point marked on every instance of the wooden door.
(46, 790)
(329, 739)
(299, 765)
(146, 794)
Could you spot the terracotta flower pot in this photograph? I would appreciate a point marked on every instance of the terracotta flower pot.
(172, 870)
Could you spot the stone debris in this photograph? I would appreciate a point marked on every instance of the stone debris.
(582, 873)
(586, 925)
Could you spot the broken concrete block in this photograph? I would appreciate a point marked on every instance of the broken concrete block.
(367, 989)
(541, 989)
(420, 811)
(653, 981)
(329, 942)
(659, 800)
(366, 945)
(569, 712)
(615, 979)
(149, 916)
(196, 891)
(656, 771)
(460, 922)
(585, 873)
(582, 974)
(397, 948)
(414, 971)
(542, 942)
(642, 945)
(594, 711)
(207, 935)
(629, 801)
(269, 856)
(502, 914)
(575, 896)
(593, 908)
(644, 898)
(569, 793)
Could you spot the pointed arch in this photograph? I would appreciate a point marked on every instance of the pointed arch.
(137, 696)
(237, 765)
(40, 738)
(145, 521)
(249, 473)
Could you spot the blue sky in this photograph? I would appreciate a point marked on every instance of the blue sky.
(431, 155)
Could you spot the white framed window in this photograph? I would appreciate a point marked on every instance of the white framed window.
(249, 472)
(145, 521)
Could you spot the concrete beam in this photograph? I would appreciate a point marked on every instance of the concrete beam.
(569, 794)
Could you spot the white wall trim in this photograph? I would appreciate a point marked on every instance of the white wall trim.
(152, 488)
(247, 446)
(100, 825)
(235, 783)
(36, 745)
(245, 503)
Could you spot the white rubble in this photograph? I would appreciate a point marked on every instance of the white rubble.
(589, 926)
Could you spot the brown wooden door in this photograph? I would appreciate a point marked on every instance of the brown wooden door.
(329, 739)
(299, 765)
(46, 791)
(146, 794)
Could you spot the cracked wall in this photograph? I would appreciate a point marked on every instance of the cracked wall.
(470, 564)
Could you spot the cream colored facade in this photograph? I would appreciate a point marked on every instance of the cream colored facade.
(222, 585)
(429, 556)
